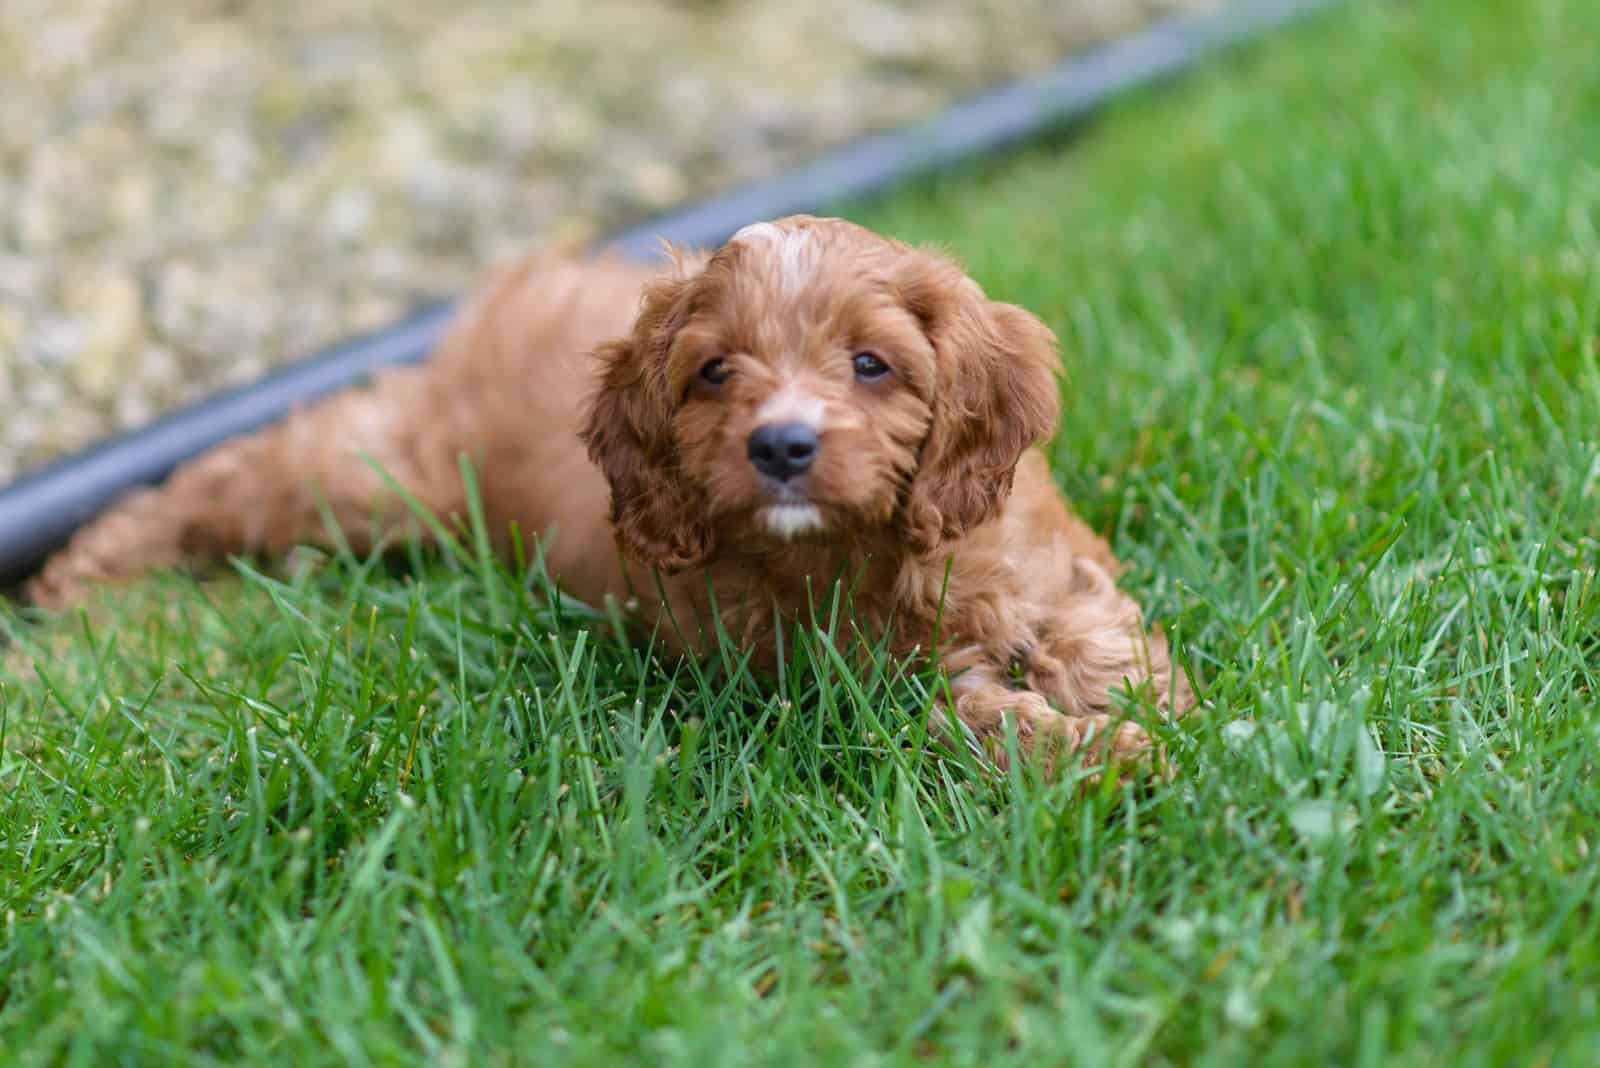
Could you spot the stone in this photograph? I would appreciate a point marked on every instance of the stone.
(111, 308)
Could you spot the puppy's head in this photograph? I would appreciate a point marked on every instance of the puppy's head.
(812, 380)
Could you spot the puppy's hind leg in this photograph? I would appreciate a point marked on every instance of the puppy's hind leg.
(274, 489)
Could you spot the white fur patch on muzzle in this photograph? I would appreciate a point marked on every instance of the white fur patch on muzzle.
(791, 518)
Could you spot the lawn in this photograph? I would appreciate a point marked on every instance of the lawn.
(1331, 312)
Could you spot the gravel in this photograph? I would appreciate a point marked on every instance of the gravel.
(195, 191)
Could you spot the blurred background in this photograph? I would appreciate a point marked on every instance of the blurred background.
(195, 191)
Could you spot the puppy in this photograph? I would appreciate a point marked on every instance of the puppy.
(711, 445)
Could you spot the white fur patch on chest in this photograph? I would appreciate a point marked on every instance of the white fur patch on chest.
(790, 248)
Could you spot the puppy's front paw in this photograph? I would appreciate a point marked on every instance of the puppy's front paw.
(1044, 734)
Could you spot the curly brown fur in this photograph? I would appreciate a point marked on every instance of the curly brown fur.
(607, 406)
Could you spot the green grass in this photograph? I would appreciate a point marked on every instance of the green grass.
(1331, 311)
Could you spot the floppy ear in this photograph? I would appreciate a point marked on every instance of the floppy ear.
(995, 394)
(657, 515)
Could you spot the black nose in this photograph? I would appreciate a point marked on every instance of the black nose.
(783, 450)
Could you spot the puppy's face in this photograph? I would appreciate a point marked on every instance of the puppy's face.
(804, 384)
(812, 380)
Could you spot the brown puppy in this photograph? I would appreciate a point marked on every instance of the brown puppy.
(811, 402)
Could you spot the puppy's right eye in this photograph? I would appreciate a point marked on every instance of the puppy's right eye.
(714, 372)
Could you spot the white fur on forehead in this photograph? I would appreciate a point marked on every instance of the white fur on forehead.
(792, 404)
(792, 249)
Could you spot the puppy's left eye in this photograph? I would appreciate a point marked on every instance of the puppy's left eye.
(868, 367)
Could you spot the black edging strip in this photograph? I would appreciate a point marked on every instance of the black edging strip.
(38, 513)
